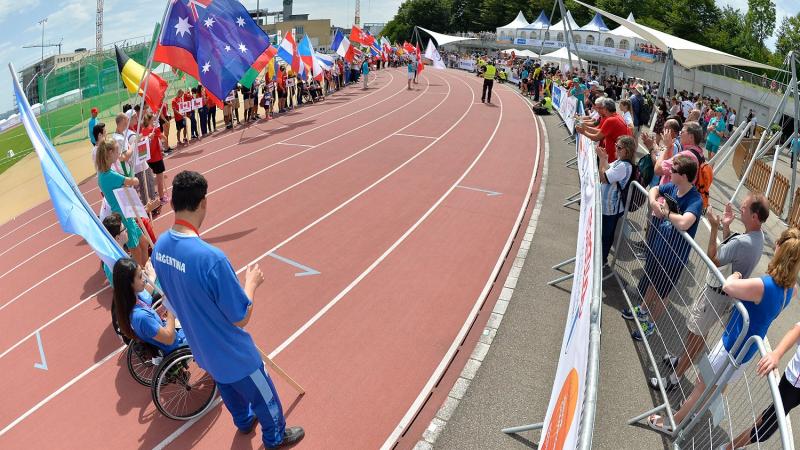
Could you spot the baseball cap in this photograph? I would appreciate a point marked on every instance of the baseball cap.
(94, 111)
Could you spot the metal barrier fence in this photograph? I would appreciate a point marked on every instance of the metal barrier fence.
(587, 285)
(667, 273)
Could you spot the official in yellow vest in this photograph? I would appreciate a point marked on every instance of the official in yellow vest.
(489, 72)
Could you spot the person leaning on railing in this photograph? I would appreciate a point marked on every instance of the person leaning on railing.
(741, 253)
(614, 180)
(668, 252)
(764, 298)
(789, 388)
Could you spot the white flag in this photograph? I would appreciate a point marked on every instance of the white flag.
(433, 54)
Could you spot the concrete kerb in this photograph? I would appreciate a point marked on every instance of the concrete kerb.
(482, 347)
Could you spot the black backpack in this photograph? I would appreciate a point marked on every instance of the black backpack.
(638, 199)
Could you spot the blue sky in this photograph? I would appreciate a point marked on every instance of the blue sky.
(73, 20)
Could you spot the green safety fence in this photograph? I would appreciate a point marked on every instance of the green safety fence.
(96, 77)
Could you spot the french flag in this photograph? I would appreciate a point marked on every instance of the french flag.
(341, 45)
(288, 52)
(306, 51)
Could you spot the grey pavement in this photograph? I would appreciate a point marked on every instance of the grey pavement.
(513, 384)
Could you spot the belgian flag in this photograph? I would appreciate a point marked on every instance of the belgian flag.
(132, 73)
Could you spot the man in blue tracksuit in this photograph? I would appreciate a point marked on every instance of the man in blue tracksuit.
(206, 296)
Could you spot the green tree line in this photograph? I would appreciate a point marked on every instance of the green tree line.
(742, 33)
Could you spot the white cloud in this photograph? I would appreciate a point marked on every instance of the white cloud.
(11, 6)
(71, 15)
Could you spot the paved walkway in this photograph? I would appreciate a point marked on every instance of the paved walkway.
(512, 386)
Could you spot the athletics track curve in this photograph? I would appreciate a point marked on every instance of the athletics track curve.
(380, 191)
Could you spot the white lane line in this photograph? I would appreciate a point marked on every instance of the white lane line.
(405, 421)
(169, 439)
(203, 233)
(59, 390)
(40, 404)
(438, 423)
(206, 142)
(297, 145)
(229, 218)
(415, 135)
(216, 190)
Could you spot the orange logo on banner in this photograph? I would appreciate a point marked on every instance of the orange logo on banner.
(563, 414)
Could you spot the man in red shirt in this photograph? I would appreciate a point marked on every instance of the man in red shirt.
(180, 121)
(611, 127)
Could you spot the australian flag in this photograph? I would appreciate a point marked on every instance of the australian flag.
(215, 41)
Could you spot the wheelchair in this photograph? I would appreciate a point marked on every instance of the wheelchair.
(181, 390)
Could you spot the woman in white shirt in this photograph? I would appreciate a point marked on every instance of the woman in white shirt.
(789, 389)
(625, 110)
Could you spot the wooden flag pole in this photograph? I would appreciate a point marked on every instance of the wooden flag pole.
(275, 368)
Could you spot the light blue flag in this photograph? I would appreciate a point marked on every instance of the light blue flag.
(73, 212)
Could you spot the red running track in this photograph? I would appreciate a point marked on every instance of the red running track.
(377, 190)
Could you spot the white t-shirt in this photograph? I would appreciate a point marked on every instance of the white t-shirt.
(628, 118)
(687, 106)
(793, 369)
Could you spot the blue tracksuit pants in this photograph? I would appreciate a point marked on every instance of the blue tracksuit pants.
(255, 395)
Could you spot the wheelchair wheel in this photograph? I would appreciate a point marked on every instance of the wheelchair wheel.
(181, 389)
(143, 361)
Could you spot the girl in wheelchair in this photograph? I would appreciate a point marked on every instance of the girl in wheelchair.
(134, 313)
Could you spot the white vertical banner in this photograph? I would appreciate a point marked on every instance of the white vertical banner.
(562, 422)
(565, 105)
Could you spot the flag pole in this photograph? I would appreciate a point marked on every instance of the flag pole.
(275, 368)
(147, 72)
(63, 170)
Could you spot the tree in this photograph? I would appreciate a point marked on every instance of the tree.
(788, 37)
(431, 14)
(728, 34)
(465, 15)
(760, 19)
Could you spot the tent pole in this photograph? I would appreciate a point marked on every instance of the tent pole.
(662, 90)
(547, 30)
(796, 134)
(570, 38)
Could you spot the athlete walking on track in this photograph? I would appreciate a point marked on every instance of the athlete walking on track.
(489, 72)
(213, 308)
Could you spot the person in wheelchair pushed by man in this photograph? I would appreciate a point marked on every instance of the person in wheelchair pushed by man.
(134, 313)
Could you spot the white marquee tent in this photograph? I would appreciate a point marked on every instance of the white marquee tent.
(561, 25)
(686, 53)
(511, 28)
(560, 56)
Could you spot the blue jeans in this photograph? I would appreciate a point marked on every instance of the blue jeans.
(255, 396)
(609, 227)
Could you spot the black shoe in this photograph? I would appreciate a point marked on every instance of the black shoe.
(291, 436)
(249, 429)
(483, 100)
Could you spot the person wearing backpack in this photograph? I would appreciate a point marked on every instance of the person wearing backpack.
(691, 134)
(615, 180)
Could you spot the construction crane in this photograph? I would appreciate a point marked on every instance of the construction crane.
(358, 13)
(98, 33)
(43, 45)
